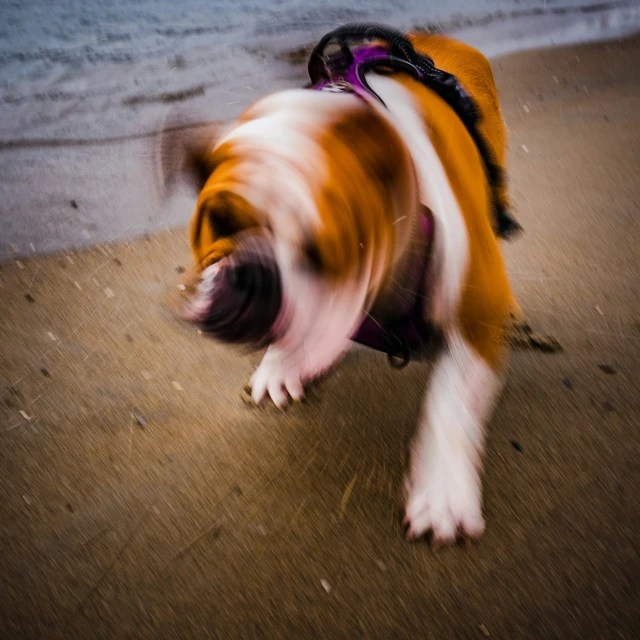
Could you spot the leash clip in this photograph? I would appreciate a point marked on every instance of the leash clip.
(398, 352)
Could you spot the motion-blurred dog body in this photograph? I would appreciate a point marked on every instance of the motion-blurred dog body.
(308, 218)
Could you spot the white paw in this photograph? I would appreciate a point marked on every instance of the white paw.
(444, 499)
(278, 379)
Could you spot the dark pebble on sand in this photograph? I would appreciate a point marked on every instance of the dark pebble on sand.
(608, 407)
(237, 490)
(29, 297)
(45, 372)
(516, 445)
(69, 507)
(180, 269)
(567, 383)
(74, 204)
(608, 369)
(117, 262)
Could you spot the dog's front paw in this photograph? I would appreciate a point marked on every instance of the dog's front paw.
(277, 378)
(443, 499)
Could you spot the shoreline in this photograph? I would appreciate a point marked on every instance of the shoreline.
(60, 166)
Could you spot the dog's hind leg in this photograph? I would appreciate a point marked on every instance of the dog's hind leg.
(444, 487)
(444, 483)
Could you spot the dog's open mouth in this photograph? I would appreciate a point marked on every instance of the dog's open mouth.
(240, 297)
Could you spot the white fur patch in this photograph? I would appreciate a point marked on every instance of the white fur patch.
(444, 486)
(288, 124)
(283, 160)
(451, 243)
(302, 104)
(199, 306)
(281, 196)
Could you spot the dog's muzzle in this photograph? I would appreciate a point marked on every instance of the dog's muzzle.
(240, 297)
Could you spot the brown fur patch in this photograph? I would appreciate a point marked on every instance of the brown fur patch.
(474, 71)
(486, 299)
(220, 211)
(370, 181)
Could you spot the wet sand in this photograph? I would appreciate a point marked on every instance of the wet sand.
(140, 497)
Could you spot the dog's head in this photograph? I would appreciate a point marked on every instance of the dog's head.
(296, 201)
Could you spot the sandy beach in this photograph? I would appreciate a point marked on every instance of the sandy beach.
(141, 497)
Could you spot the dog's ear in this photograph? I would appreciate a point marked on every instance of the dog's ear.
(183, 151)
(219, 217)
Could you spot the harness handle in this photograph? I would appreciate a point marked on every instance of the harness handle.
(399, 45)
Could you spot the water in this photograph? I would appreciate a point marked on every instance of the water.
(87, 69)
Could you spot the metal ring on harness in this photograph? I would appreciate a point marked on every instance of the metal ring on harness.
(398, 352)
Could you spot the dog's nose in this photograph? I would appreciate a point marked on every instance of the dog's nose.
(246, 297)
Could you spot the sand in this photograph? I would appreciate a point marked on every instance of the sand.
(140, 497)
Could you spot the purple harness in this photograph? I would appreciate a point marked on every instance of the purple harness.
(347, 77)
(407, 331)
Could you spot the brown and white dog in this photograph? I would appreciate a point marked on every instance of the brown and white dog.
(312, 200)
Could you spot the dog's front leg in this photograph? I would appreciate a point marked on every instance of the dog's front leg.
(444, 489)
(322, 319)
(278, 376)
(283, 372)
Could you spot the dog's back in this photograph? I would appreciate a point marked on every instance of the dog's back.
(474, 72)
